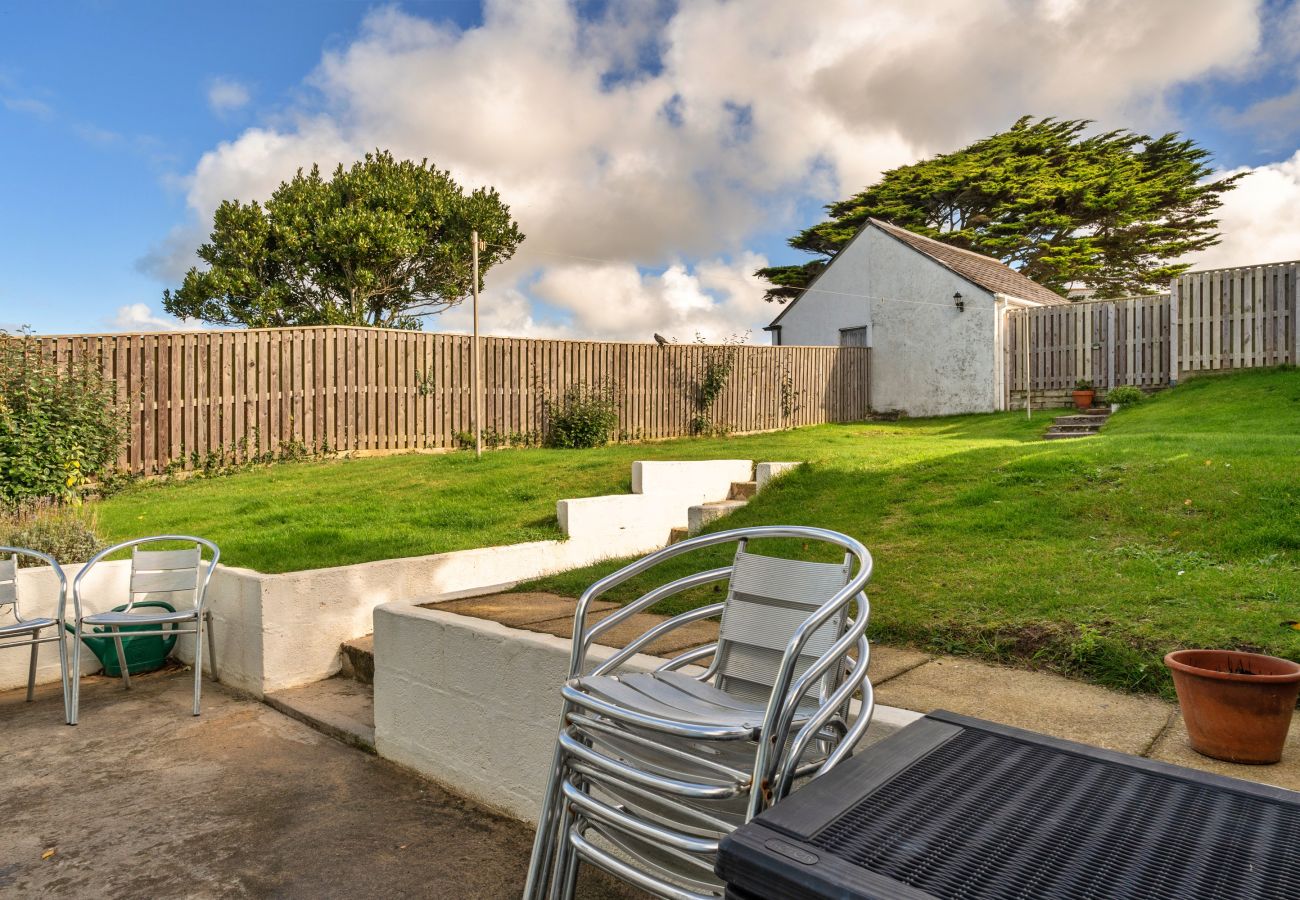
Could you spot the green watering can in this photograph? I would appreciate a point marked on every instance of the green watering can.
(143, 654)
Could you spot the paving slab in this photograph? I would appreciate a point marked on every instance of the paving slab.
(1038, 701)
(890, 662)
(1173, 747)
(692, 634)
(515, 610)
(341, 707)
(144, 800)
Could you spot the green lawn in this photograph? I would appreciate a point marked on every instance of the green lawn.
(1180, 525)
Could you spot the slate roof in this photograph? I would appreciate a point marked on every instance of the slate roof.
(984, 271)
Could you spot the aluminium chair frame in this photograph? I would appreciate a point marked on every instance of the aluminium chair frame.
(202, 617)
(34, 640)
(553, 868)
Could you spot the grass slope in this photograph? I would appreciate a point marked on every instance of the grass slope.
(1180, 525)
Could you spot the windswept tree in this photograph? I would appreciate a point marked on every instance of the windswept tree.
(1112, 211)
(382, 243)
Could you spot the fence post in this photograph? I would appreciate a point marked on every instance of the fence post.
(1174, 337)
(1111, 343)
(1295, 314)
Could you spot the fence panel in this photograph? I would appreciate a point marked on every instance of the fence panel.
(1237, 318)
(1107, 342)
(1217, 320)
(191, 397)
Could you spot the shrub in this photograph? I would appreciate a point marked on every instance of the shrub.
(65, 531)
(585, 415)
(1125, 395)
(1083, 384)
(60, 424)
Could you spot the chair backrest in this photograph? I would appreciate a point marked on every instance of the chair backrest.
(169, 572)
(9, 579)
(9, 585)
(768, 599)
(160, 574)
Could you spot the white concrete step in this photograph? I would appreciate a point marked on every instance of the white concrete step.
(340, 707)
(699, 516)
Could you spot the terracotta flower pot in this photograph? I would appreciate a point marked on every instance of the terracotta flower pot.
(1237, 706)
(1083, 399)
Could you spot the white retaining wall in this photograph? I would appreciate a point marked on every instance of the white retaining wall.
(281, 631)
(476, 705)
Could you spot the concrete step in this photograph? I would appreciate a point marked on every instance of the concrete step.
(680, 533)
(339, 707)
(743, 490)
(699, 516)
(359, 659)
(1081, 420)
(1076, 429)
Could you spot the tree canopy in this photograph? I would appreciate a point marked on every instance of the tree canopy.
(1111, 211)
(381, 243)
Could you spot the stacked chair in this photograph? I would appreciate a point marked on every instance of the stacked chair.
(653, 768)
(179, 575)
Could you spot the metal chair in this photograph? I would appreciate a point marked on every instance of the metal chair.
(27, 632)
(652, 769)
(153, 572)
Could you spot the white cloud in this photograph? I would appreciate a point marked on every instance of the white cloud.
(227, 95)
(1259, 219)
(753, 109)
(141, 317)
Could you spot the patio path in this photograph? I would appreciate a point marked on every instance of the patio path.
(922, 682)
(144, 800)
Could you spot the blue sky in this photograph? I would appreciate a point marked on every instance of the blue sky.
(655, 153)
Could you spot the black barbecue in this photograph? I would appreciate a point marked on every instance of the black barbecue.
(955, 807)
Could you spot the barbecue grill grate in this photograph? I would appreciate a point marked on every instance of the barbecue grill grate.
(988, 816)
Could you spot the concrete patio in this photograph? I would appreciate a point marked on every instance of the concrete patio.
(144, 800)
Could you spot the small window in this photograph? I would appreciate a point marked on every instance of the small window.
(853, 337)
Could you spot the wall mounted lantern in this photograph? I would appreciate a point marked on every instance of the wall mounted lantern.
(961, 304)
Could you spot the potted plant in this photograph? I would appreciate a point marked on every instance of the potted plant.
(1237, 706)
(1124, 395)
(1083, 394)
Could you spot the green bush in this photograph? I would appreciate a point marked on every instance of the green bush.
(67, 532)
(583, 416)
(60, 424)
(1125, 395)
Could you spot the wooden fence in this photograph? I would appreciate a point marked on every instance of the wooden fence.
(191, 395)
(1214, 320)
(1237, 318)
(1107, 342)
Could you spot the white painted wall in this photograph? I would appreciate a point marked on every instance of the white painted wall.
(233, 596)
(662, 492)
(472, 703)
(476, 705)
(281, 631)
(927, 359)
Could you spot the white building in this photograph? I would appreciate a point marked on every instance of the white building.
(933, 315)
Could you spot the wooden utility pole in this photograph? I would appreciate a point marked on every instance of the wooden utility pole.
(1029, 370)
(477, 381)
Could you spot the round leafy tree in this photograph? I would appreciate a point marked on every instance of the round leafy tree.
(381, 243)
